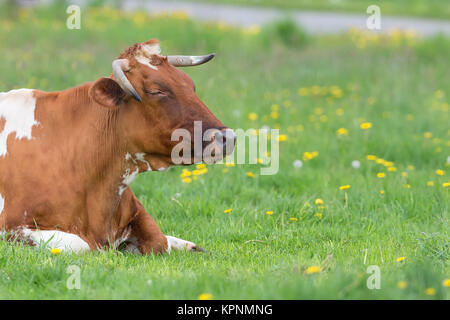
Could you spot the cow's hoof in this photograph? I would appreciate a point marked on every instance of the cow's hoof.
(198, 249)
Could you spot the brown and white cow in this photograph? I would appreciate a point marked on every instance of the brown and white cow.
(67, 158)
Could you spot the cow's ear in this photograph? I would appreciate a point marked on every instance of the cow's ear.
(107, 92)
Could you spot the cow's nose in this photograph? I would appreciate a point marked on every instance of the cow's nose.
(227, 138)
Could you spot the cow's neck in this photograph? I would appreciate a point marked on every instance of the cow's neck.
(99, 150)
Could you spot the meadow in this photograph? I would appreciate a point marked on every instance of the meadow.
(364, 162)
(423, 8)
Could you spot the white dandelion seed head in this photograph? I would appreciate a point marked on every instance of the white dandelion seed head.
(297, 164)
(448, 159)
(356, 164)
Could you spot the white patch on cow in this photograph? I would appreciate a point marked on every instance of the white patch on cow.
(178, 244)
(2, 203)
(146, 52)
(128, 178)
(17, 109)
(56, 239)
(141, 157)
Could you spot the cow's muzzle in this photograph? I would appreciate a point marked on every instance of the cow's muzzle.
(219, 144)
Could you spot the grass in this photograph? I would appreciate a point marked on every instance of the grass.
(397, 82)
(422, 8)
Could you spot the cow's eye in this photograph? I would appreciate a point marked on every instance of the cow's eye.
(155, 92)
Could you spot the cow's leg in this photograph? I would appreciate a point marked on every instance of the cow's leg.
(146, 237)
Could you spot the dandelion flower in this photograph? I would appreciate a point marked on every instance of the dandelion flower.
(201, 166)
(446, 283)
(346, 187)
(430, 183)
(371, 157)
(229, 164)
(269, 213)
(319, 215)
(293, 219)
(381, 175)
(366, 125)
(205, 296)
(55, 251)
(400, 259)
(428, 135)
(187, 180)
(185, 173)
(430, 291)
(382, 192)
(251, 174)
(440, 172)
(313, 270)
(274, 114)
(318, 202)
(227, 210)
(342, 132)
(402, 284)
(282, 137)
(446, 184)
(252, 116)
(392, 169)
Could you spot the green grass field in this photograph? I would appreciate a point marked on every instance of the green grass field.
(421, 8)
(319, 91)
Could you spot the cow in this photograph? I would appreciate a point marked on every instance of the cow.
(67, 158)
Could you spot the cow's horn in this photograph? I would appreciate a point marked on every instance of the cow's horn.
(188, 61)
(118, 67)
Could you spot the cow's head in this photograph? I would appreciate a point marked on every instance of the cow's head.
(153, 99)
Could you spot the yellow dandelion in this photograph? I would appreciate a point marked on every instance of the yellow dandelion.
(303, 92)
(440, 172)
(260, 161)
(282, 137)
(55, 251)
(392, 169)
(227, 210)
(269, 213)
(187, 180)
(371, 157)
(293, 219)
(313, 270)
(407, 186)
(251, 174)
(205, 296)
(428, 135)
(446, 184)
(252, 116)
(404, 174)
(430, 183)
(229, 164)
(381, 175)
(185, 173)
(319, 215)
(382, 192)
(400, 259)
(342, 132)
(201, 166)
(366, 125)
(274, 114)
(345, 187)
(318, 202)
(430, 291)
(402, 284)
(446, 283)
